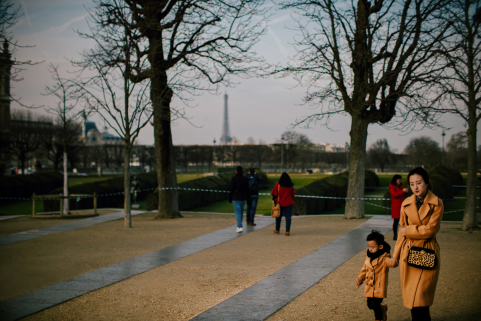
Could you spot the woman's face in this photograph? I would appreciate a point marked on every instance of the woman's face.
(417, 184)
(399, 182)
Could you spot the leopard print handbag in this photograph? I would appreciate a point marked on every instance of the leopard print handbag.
(420, 257)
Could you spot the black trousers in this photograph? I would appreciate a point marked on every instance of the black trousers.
(420, 314)
(375, 305)
(395, 226)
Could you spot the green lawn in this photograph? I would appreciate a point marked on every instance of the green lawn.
(20, 208)
(264, 204)
(77, 180)
(299, 180)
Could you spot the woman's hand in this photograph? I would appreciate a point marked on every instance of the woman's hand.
(358, 285)
(402, 231)
(405, 190)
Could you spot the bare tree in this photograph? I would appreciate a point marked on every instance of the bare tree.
(67, 95)
(25, 136)
(122, 103)
(379, 153)
(460, 84)
(191, 46)
(52, 142)
(366, 59)
(296, 148)
(457, 151)
(424, 152)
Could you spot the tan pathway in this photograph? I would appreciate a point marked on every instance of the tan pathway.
(458, 295)
(189, 286)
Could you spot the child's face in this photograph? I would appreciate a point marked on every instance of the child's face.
(373, 246)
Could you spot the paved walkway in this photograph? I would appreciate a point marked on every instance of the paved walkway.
(9, 217)
(259, 301)
(269, 295)
(28, 235)
(35, 301)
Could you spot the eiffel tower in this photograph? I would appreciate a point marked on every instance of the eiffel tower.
(225, 138)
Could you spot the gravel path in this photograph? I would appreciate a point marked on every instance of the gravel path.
(184, 288)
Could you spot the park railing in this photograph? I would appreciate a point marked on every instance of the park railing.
(62, 199)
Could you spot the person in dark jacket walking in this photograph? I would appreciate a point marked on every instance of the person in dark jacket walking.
(398, 195)
(253, 197)
(285, 197)
(239, 191)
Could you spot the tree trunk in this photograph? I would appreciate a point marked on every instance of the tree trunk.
(470, 220)
(65, 185)
(127, 203)
(22, 164)
(357, 164)
(161, 96)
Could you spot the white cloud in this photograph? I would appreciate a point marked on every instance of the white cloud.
(279, 43)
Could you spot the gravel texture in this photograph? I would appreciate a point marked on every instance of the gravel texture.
(191, 285)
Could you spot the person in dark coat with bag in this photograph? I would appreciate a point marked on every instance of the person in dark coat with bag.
(283, 193)
(239, 192)
(253, 198)
(398, 195)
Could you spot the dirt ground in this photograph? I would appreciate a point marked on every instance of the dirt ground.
(184, 288)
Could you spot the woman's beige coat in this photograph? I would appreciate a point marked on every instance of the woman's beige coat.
(419, 286)
(376, 274)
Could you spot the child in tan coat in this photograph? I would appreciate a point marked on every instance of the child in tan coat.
(375, 273)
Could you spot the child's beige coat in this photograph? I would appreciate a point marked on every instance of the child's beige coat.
(375, 275)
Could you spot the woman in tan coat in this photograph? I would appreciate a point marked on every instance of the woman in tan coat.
(421, 216)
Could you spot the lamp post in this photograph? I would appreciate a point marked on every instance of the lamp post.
(414, 147)
(347, 155)
(214, 158)
(282, 154)
(442, 156)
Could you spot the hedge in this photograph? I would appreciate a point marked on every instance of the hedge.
(189, 200)
(192, 199)
(23, 186)
(333, 186)
(451, 174)
(115, 186)
(442, 179)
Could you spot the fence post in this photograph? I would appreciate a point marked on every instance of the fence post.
(95, 202)
(33, 204)
(61, 205)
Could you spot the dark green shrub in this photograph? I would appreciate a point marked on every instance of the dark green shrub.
(442, 187)
(192, 199)
(25, 185)
(371, 180)
(333, 186)
(451, 174)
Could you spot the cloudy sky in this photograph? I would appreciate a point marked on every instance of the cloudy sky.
(258, 108)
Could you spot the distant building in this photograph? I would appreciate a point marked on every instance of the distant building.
(329, 148)
(92, 136)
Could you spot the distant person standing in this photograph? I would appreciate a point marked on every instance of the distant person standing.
(283, 193)
(398, 195)
(253, 197)
(239, 191)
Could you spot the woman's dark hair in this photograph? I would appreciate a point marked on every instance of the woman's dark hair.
(376, 236)
(423, 173)
(285, 180)
(394, 179)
